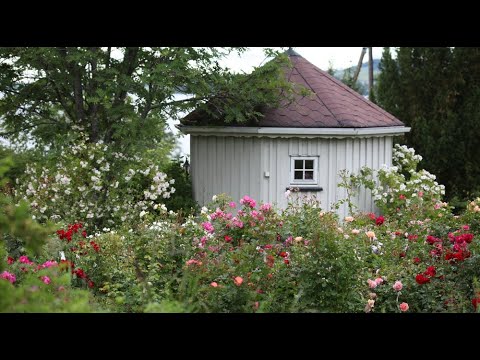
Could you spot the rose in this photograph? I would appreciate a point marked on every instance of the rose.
(404, 307)
(370, 234)
(398, 286)
(430, 271)
(349, 219)
(238, 281)
(379, 221)
(371, 284)
(422, 279)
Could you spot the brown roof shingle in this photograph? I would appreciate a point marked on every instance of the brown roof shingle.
(332, 104)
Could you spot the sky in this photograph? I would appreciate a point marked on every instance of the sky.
(340, 57)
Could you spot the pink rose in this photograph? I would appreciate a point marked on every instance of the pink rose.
(8, 276)
(372, 284)
(46, 279)
(404, 307)
(238, 281)
(378, 281)
(398, 286)
(214, 284)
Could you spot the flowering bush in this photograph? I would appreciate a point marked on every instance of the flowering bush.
(30, 287)
(239, 255)
(94, 184)
(401, 190)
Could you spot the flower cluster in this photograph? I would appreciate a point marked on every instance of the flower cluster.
(91, 182)
(77, 247)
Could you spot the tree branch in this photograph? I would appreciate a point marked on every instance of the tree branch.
(8, 133)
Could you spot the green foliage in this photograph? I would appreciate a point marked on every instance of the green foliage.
(33, 295)
(21, 286)
(436, 92)
(142, 265)
(182, 199)
(347, 79)
(15, 219)
(123, 96)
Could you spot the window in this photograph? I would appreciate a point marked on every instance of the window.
(303, 170)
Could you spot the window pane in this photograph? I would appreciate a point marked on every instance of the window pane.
(298, 164)
(308, 175)
(298, 175)
(308, 164)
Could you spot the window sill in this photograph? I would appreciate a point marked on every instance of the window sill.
(304, 188)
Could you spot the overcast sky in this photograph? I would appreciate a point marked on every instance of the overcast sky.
(340, 57)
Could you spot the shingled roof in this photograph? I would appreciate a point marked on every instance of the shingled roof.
(332, 104)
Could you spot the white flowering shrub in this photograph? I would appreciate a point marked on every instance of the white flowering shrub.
(95, 185)
(402, 187)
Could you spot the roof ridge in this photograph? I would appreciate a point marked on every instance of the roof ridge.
(318, 97)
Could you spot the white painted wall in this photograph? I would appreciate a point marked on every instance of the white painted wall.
(236, 165)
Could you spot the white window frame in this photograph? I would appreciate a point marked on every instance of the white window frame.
(294, 181)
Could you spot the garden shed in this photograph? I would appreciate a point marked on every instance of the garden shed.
(302, 144)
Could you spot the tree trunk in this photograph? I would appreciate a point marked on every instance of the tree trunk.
(359, 66)
(93, 110)
(370, 72)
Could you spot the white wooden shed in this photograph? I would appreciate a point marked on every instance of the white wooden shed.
(303, 144)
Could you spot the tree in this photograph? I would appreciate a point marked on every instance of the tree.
(98, 116)
(436, 91)
(122, 95)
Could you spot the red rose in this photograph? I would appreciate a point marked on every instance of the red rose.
(430, 271)
(95, 246)
(416, 260)
(432, 240)
(286, 261)
(227, 238)
(422, 279)
(91, 284)
(475, 303)
(80, 273)
(372, 216)
(412, 237)
(10, 260)
(468, 238)
(402, 254)
(84, 233)
(283, 254)
(379, 221)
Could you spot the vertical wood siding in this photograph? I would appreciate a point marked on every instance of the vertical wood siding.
(237, 166)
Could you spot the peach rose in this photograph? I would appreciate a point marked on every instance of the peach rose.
(404, 307)
(355, 231)
(370, 234)
(349, 218)
(238, 281)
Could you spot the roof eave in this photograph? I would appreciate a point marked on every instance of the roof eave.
(291, 131)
